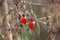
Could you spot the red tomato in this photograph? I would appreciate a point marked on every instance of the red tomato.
(23, 19)
(32, 25)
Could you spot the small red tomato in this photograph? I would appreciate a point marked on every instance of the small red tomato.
(32, 25)
(23, 19)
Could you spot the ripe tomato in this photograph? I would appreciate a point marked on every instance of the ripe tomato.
(23, 19)
(32, 25)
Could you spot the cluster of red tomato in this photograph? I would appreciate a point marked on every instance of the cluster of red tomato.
(24, 19)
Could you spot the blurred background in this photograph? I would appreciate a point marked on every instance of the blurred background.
(39, 8)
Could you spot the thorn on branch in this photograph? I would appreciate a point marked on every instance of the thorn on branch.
(21, 25)
(19, 16)
(47, 18)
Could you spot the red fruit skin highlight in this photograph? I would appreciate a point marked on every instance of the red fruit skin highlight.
(32, 25)
(23, 19)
